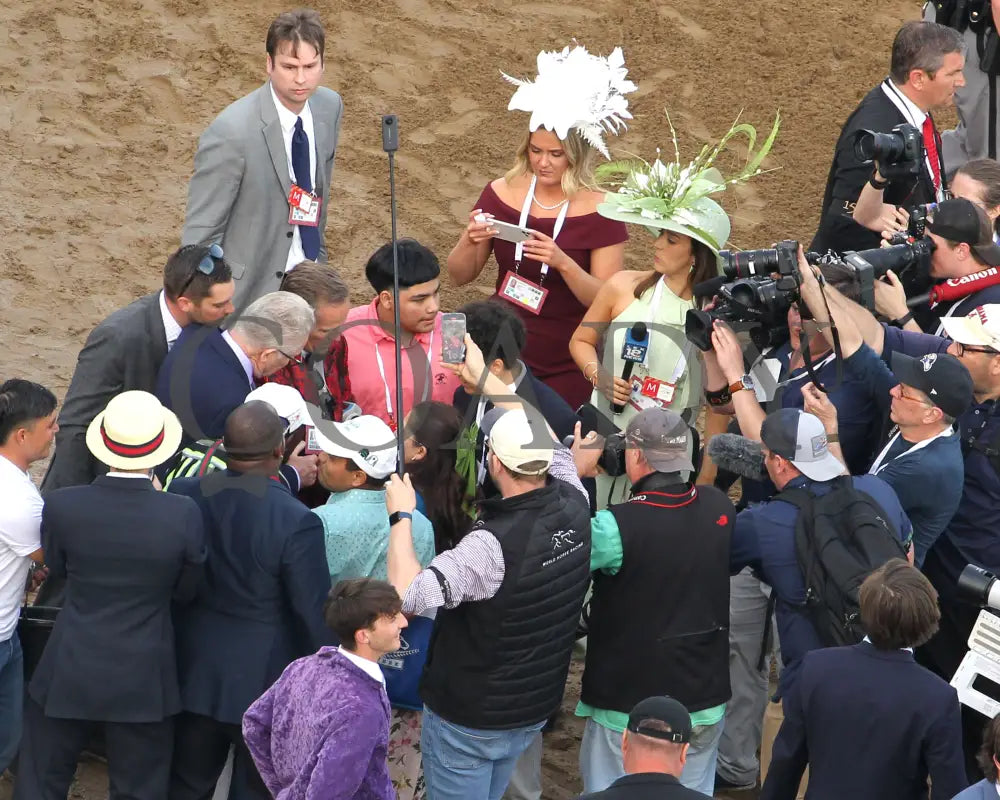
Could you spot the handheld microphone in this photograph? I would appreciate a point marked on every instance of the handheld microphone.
(956, 288)
(738, 454)
(633, 352)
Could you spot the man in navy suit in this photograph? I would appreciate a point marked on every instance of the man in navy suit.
(869, 721)
(127, 552)
(209, 372)
(260, 607)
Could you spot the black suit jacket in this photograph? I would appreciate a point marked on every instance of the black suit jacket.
(645, 786)
(872, 724)
(126, 551)
(202, 381)
(837, 229)
(261, 603)
(123, 352)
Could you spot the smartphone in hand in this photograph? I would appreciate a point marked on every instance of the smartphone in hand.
(453, 338)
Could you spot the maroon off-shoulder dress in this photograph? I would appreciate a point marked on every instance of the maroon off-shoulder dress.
(546, 351)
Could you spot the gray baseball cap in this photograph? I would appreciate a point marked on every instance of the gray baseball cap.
(801, 438)
(663, 437)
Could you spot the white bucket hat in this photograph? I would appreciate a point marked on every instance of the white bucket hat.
(134, 431)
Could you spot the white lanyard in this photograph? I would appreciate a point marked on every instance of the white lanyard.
(519, 250)
(385, 383)
(878, 466)
(950, 312)
(903, 104)
(681, 364)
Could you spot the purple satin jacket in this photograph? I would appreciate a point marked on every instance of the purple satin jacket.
(321, 732)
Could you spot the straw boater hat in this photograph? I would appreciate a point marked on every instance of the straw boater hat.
(576, 89)
(134, 432)
(668, 196)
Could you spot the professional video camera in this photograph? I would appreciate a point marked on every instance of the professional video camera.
(752, 295)
(977, 679)
(898, 153)
(758, 287)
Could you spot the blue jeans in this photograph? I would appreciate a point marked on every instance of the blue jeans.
(462, 763)
(11, 699)
(601, 757)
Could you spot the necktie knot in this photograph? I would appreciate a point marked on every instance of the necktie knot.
(298, 125)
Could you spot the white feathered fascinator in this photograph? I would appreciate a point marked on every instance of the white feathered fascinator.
(575, 89)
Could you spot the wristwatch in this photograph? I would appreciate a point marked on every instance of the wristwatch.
(396, 516)
(746, 382)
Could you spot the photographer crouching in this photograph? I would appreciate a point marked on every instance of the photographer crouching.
(664, 552)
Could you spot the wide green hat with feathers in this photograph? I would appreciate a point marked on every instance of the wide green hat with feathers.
(668, 196)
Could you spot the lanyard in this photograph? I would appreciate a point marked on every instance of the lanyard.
(903, 104)
(682, 359)
(878, 466)
(519, 250)
(385, 383)
(949, 313)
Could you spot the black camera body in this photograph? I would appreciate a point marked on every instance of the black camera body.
(763, 286)
(898, 153)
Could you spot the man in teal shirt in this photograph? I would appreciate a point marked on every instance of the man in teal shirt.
(659, 615)
(354, 468)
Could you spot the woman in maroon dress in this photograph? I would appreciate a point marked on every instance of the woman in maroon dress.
(573, 249)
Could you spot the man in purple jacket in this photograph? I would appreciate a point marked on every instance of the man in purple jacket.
(322, 730)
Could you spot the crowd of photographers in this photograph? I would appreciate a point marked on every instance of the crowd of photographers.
(290, 617)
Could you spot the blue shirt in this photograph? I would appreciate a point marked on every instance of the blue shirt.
(860, 424)
(972, 535)
(764, 539)
(927, 478)
(356, 530)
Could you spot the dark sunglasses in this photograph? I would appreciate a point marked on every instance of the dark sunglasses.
(206, 266)
(293, 359)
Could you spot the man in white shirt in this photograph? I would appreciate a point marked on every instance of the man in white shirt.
(261, 182)
(124, 352)
(27, 427)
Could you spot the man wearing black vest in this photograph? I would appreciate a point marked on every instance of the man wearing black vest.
(509, 596)
(925, 69)
(666, 552)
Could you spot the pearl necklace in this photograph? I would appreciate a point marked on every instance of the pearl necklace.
(550, 208)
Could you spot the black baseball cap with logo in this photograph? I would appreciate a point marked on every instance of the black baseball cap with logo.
(961, 220)
(940, 376)
(666, 711)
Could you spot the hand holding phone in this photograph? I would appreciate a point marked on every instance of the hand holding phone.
(453, 338)
(504, 230)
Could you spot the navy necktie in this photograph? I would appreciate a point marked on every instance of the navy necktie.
(303, 179)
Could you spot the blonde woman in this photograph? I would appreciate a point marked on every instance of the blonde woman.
(552, 278)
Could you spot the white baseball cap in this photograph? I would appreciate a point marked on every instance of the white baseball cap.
(801, 438)
(365, 440)
(981, 327)
(523, 445)
(286, 401)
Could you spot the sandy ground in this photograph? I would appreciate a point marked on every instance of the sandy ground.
(102, 101)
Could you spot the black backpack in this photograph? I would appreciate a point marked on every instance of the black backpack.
(840, 539)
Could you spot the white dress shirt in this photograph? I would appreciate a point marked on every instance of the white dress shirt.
(370, 667)
(170, 326)
(243, 357)
(287, 120)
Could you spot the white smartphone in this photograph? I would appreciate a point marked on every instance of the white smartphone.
(506, 231)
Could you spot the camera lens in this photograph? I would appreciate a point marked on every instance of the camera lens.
(886, 148)
(748, 263)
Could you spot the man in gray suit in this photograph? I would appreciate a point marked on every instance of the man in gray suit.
(270, 149)
(125, 352)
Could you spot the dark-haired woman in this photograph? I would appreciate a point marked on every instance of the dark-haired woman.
(988, 759)
(433, 461)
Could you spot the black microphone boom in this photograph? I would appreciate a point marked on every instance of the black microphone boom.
(390, 143)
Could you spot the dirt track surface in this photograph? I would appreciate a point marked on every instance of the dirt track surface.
(101, 104)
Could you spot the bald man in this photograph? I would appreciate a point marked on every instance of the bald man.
(654, 749)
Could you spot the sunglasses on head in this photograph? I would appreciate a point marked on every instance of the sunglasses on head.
(206, 266)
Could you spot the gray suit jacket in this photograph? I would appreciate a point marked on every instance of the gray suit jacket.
(238, 195)
(123, 352)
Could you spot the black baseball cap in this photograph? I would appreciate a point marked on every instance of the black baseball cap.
(666, 711)
(961, 220)
(942, 377)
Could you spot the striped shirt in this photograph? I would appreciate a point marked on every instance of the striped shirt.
(474, 569)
